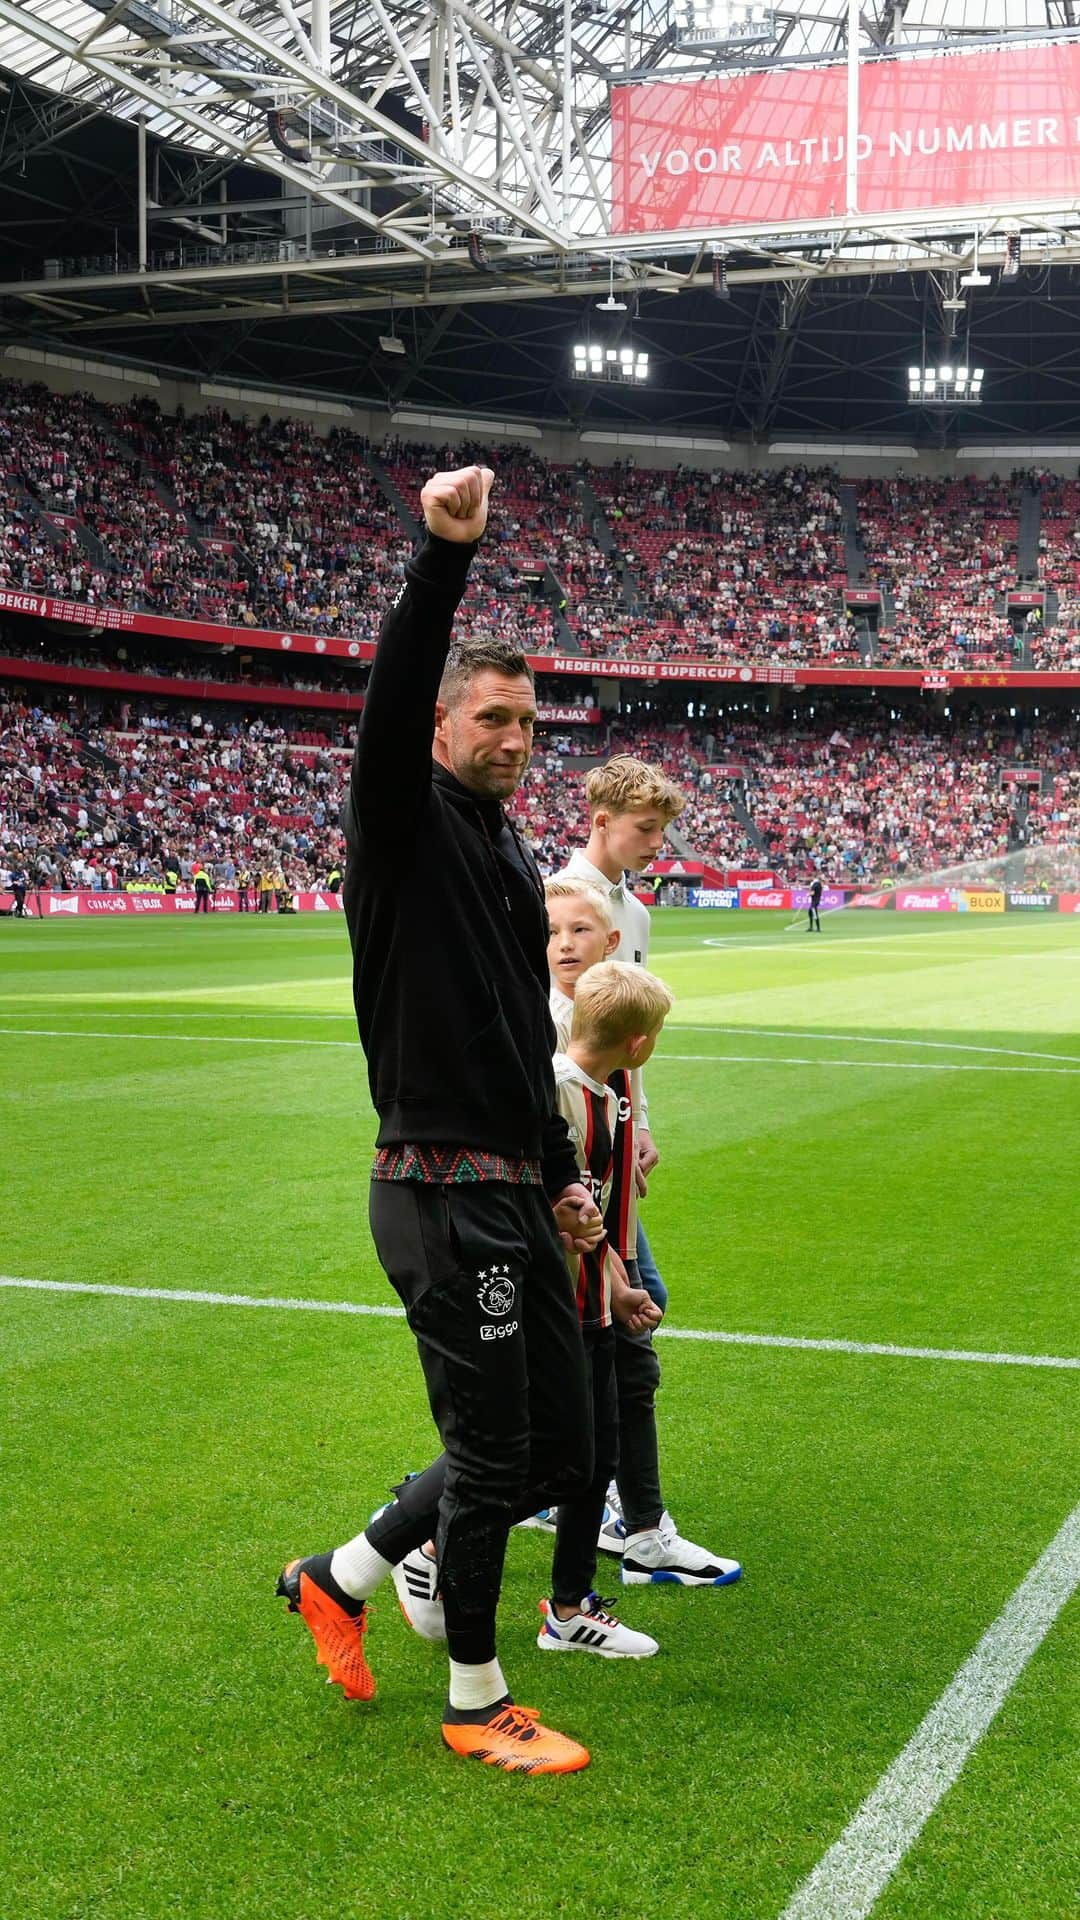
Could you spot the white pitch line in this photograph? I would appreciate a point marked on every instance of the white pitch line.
(849, 1879)
(868, 1066)
(869, 1040)
(879, 1348)
(191, 1039)
(133, 1011)
(704, 1059)
(882, 1347)
(199, 1299)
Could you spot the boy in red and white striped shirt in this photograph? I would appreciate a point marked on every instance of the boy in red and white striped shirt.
(617, 1013)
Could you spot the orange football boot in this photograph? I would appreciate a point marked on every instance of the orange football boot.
(514, 1740)
(338, 1635)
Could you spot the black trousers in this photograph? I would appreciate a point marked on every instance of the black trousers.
(637, 1374)
(243, 901)
(573, 1569)
(202, 900)
(482, 1275)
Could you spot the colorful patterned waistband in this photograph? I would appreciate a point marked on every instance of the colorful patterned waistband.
(454, 1166)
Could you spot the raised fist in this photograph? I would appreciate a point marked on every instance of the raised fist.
(456, 504)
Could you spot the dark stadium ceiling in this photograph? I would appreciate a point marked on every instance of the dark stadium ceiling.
(311, 174)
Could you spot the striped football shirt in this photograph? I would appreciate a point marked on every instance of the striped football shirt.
(620, 1213)
(591, 1112)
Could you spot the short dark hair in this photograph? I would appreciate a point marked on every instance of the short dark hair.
(467, 658)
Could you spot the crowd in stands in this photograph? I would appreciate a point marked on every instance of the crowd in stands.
(102, 799)
(268, 524)
(944, 552)
(872, 800)
(725, 566)
(214, 518)
(96, 791)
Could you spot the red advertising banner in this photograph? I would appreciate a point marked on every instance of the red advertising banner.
(1069, 902)
(950, 130)
(244, 692)
(253, 639)
(86, 904)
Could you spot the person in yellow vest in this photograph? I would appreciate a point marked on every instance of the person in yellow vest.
(243, 889)
(204, 887)
(266, 889)
(333, 878)
(172, 876)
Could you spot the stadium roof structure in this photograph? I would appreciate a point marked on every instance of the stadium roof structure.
(263, 191)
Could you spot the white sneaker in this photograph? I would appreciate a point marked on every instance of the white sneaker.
(663, 1557)
(545, 1521)
(612, 1535)
(414, 1578)
(592, 1630)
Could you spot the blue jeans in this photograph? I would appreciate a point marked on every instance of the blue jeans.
(649, 1271)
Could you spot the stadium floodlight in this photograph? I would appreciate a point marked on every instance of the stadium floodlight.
(591, 360)
(723, 23)
(950, 384)
(1011, 268)
(390, 343)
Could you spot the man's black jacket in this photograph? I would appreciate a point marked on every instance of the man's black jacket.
(446, 913)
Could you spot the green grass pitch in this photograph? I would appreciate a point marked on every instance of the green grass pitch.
(871, 1136)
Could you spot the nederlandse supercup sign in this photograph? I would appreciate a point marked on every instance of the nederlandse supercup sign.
(949, 130)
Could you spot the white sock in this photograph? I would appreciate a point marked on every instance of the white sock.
(475, 1686)
(358, 1568)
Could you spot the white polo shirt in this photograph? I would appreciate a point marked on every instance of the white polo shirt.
(632, 924)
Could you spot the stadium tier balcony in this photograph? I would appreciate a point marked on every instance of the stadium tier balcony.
(268, 525)
(121, 782)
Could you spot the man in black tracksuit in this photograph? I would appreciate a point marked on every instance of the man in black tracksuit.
(813, 924)
(474, 1177)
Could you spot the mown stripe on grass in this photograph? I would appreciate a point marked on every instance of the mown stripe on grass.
(849, 1879)
(868, 1066)
(870, 1040)
(713, 1059)
(881, 1348)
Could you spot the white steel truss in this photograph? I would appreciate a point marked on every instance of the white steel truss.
(464, 140)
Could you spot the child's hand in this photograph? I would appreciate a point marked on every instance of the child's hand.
(579, 1219)
(634, 1309)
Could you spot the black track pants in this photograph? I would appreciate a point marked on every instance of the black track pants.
(483, 1278)
(573, 1571)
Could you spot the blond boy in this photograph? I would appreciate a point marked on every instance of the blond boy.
(617, 1014)
(631, 805)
